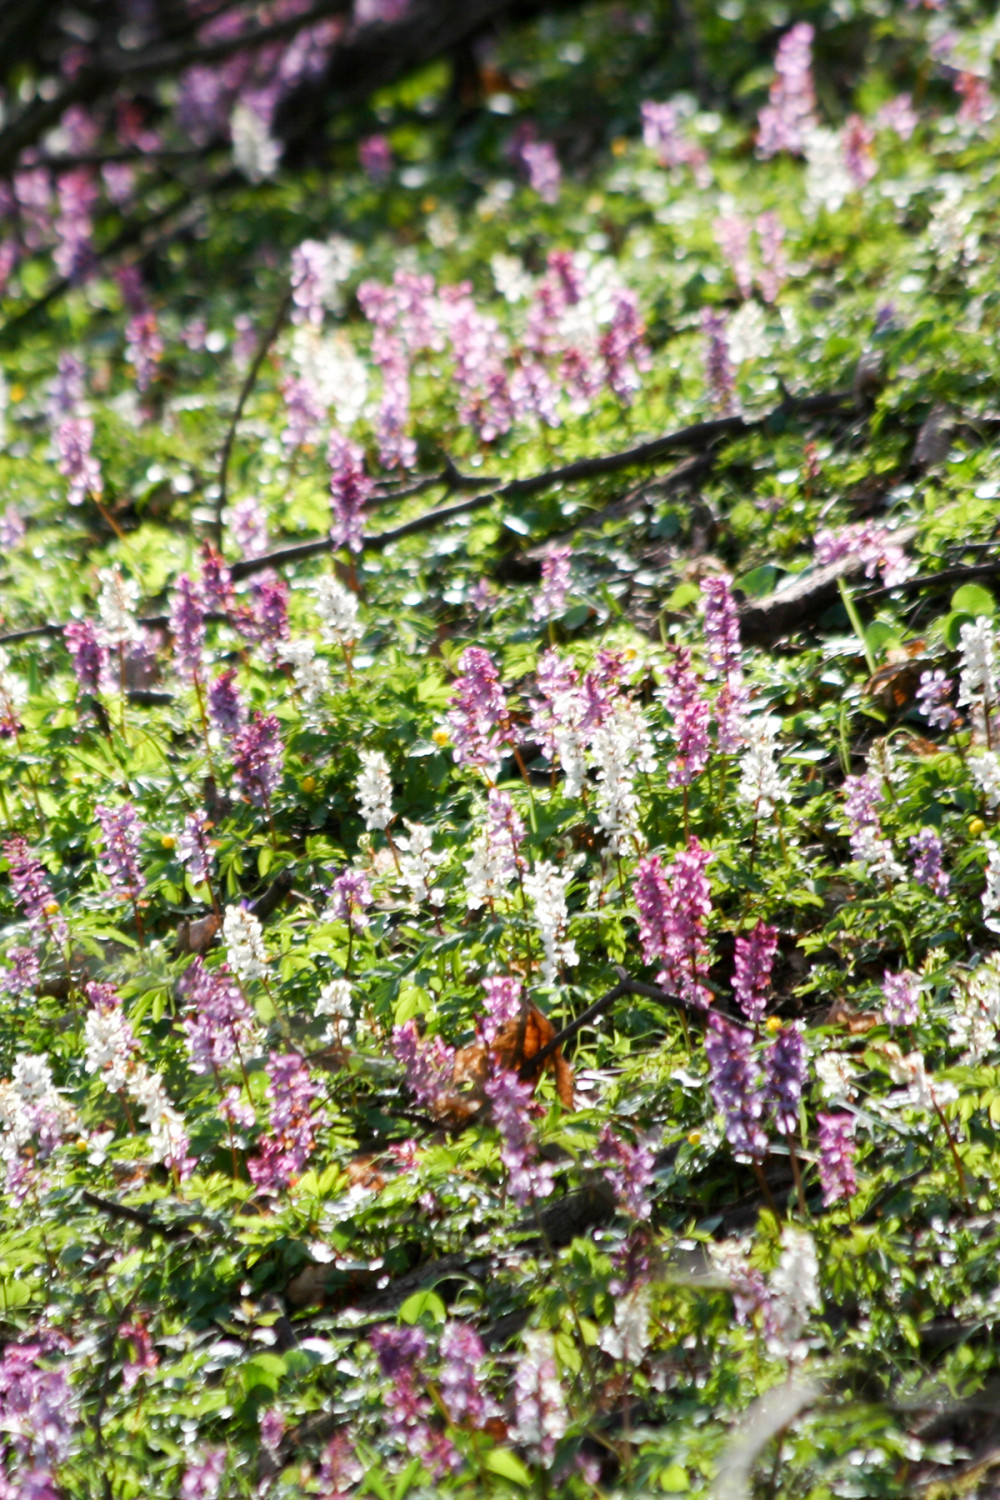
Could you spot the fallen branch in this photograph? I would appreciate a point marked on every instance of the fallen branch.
(696, 436)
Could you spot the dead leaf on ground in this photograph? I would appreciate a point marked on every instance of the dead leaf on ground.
(515, 1045)
(197, 934)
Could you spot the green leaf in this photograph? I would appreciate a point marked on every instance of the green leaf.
(674, 1479)
(683, 595)
(507, 1465)
(426, 1304)
(759, 582)
(973, 599)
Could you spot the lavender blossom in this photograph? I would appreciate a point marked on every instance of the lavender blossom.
(75, 438)
(785, 1076)
(350, 489)
(463, 1354)
(219, 1023)
(258, 759)
(350, 896)
(36, 1418)
(869, 846)
(247, 525)
(673, 905)
(88, 653)
(429, 1064)
(555, 581)
(399, 1352)
(503, 1004)
(225, 707)
(187, 626)
(725, 665)
(662, 132)
(193, 849)
(858, 145)
(203, 1478)
(788, 116)
(528, 1179)
(478, 717)
(933, 692)
(629, 1170)
(774, 264)
(623, 349)
(718, 370)
(285, 1152)
(737, 1087)
(685, 702)
(752, 970)
(121, 833)
(732, 235)
(901, 998)
(375, 157)
(836, 1157)
(927, 852)
(32, 892)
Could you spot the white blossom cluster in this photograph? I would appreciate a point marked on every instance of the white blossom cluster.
(337, 608)
(244, 940)
(418, 862)
(539, 1399)
(375, 790)
(991, 893)
(546, 888)
(620, 748)
(760, 782)
(108, 1045)
(977, 677)
(976, 1015)
(167, 1137)
(116, 604)
(310, 672)
(794, 1292)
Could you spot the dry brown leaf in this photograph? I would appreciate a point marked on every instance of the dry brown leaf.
(197, 935)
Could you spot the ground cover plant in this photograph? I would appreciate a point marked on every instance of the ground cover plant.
(499, 763)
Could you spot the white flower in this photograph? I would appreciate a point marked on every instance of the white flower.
(375, 789)
(761, 783)
(628, 1339)
(978, 668)
(546, 888)
(244, 940)
(116, 607)
(417, 864)
(991, 894)
(828, 181)
(108, 1045)
(835, 1074)
(335, 1000)
(539, 1399)
(337, 608)
(746, 334)
(332, 370)
(255, 151)
(921, 1092)
(620, 747)
(976, 1014)
(984, 768)
(311, 674)
(168, 1139)
(794, 1292)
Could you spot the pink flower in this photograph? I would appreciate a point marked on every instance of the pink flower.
(752, 970)
(479, 718)
(350, 489)
(673, 905)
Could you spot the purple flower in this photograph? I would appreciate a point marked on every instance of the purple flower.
(89, 655)
(203, 1479)
(225, 708)
(539, 1400)
(478, 716)
(12, 529)
(247, 525)
(375, 156)
(399, 1352)
(380, 307)
(350, 489)
(836, 1156)
(752, 970)
(21, 979)
(555, 581)
(790, 112)
(285, 1152)
(215, 583)
(685, 702)
(718, 370)
(121, 832)
(187, 626)
(629, 1171)
(662, 133)
(538, 161)
(898, 115)
(737, 1087)
(66, 391)
(858, 145)
(258, 759)
(503, 1003)
(429, 1064)
(623, 348)
(193, 848)
(869, 846)
(732, 235)
(143, 346)
(673, 905)
(270, 615)
(461, 1374)
(74, 437)
(774, 264)
(31, 890)
(36, 1418)
(933, 692)
(927, 852)
(725, 663)
(785, 1076)
(220, 1022)
(528, 1178)
(350, 895)
(272, 1428)
(305, 412)
(900, 998)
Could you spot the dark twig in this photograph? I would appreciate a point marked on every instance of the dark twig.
(267, 339)
(140, 1216)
